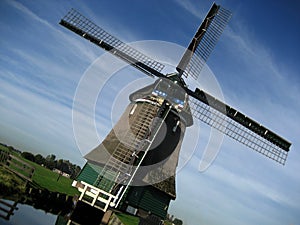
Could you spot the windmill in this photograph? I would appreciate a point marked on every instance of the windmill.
(151, 129)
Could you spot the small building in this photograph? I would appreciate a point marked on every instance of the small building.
(61, 173)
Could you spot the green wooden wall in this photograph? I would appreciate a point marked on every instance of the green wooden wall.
(148, 198)
(89, 173)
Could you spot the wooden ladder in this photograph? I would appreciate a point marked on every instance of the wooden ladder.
(119, 165)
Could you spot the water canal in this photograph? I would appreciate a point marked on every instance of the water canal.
(37, 207)
(26, 214)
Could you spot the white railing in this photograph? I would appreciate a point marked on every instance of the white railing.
(93, 195)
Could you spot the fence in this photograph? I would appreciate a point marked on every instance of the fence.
(17, 165)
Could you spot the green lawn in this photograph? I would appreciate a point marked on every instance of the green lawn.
(46, 178)
(10, 184)
(3, 148)
(128, 219)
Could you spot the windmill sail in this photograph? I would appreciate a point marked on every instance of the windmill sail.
(238, 126)
(82, 26)
(203, 42)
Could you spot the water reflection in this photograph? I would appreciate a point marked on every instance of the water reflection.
(37, 207)
(29, 215)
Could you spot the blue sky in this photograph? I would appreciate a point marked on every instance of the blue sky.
(256, 63)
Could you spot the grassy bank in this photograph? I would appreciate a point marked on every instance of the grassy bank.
(48, 179)
(42, 178)
(128, 219)
(10, 184)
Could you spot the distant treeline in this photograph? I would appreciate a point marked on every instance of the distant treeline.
(49, 162)
(11, 148)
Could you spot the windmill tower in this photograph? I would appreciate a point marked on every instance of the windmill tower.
(151, 129)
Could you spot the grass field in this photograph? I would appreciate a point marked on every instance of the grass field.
(46, 178)
(128, 219)
(10, 183)
(3, 148)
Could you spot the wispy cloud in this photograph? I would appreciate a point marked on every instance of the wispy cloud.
(217, 200)
(77, 47)
(249, 185)
(28, 12)
(50, 121)
(192, 8)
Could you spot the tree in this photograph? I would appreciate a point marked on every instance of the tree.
(75, 170)
(50, 162)
(65, 168)
(28, 155)
(59, 164)
(11, 148)
(51, 157)
(39, 159)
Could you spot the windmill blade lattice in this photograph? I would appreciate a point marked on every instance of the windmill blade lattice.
(82, 26)
(239, 127)
(204, 41)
